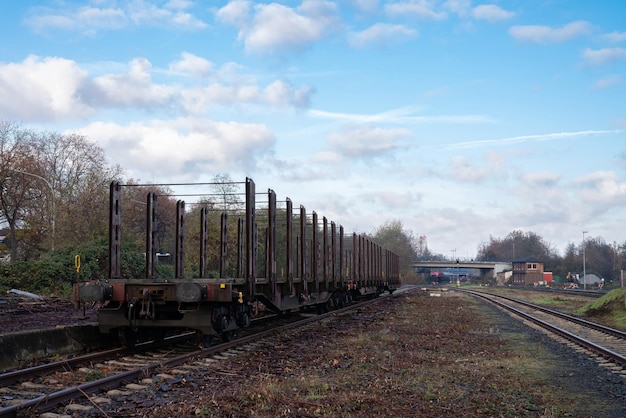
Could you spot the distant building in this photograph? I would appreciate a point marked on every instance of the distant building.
(527, 271)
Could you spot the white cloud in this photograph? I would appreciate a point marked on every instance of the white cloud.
(177, 147)
(491, 13)
(380, 33)
(465, 170)
(365, 141)
(41, 89)
(236, 13)
(327, 158)
(272, 28)
(601, 187)
(193, 65)
(88, 19)
(604, 56)
(541, 179)
(421, 9)
(462, 8)
(281, 93)
(547, 35)
(615, 37)
(404, 115)
(134, 88)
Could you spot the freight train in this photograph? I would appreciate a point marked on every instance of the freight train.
(253, 256)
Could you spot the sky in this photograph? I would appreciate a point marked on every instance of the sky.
(462, 119)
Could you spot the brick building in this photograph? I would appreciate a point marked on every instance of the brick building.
(527, 271)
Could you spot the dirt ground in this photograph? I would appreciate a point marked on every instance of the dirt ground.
(18, 313)
(413, 355)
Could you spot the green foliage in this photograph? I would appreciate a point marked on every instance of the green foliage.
(55, 273)
(611, 306)
(46, 277)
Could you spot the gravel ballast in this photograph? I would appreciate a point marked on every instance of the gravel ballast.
(412, 355)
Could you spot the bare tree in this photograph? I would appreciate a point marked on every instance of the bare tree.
(77, 170)
(225, 189)
(54, 189)
(17, 156)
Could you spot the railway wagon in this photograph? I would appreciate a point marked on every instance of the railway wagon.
(266, 259)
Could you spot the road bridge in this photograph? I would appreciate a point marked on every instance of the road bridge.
(485, 267)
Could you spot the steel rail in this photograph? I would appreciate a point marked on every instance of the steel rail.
(598, 327)
(50, 401)
(12, 377)
(603, 351)
(9, 378)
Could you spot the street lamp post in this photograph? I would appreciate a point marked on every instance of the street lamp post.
(51, 196)
(584, 265)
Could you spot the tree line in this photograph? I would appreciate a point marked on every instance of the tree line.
(602, 258)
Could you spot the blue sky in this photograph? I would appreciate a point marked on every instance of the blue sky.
(462, 119)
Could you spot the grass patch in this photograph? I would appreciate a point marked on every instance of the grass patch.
(610, 307)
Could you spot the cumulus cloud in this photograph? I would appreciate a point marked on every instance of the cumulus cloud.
(90, 19)
(274, 28)
(193, 65)
(366, 141)
(178, 146)
(491, 13)
(604, 56)
(380, 34)
(41, 89)
(601, 187)
(236, 13)
(547, 35)
(134, 88)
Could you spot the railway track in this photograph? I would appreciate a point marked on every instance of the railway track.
(117, 372)
(608, 344)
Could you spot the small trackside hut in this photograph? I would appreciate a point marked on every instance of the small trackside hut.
(268, 260)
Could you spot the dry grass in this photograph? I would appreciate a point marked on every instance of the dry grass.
(410, 356)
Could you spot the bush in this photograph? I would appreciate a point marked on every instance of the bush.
(53, 275)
